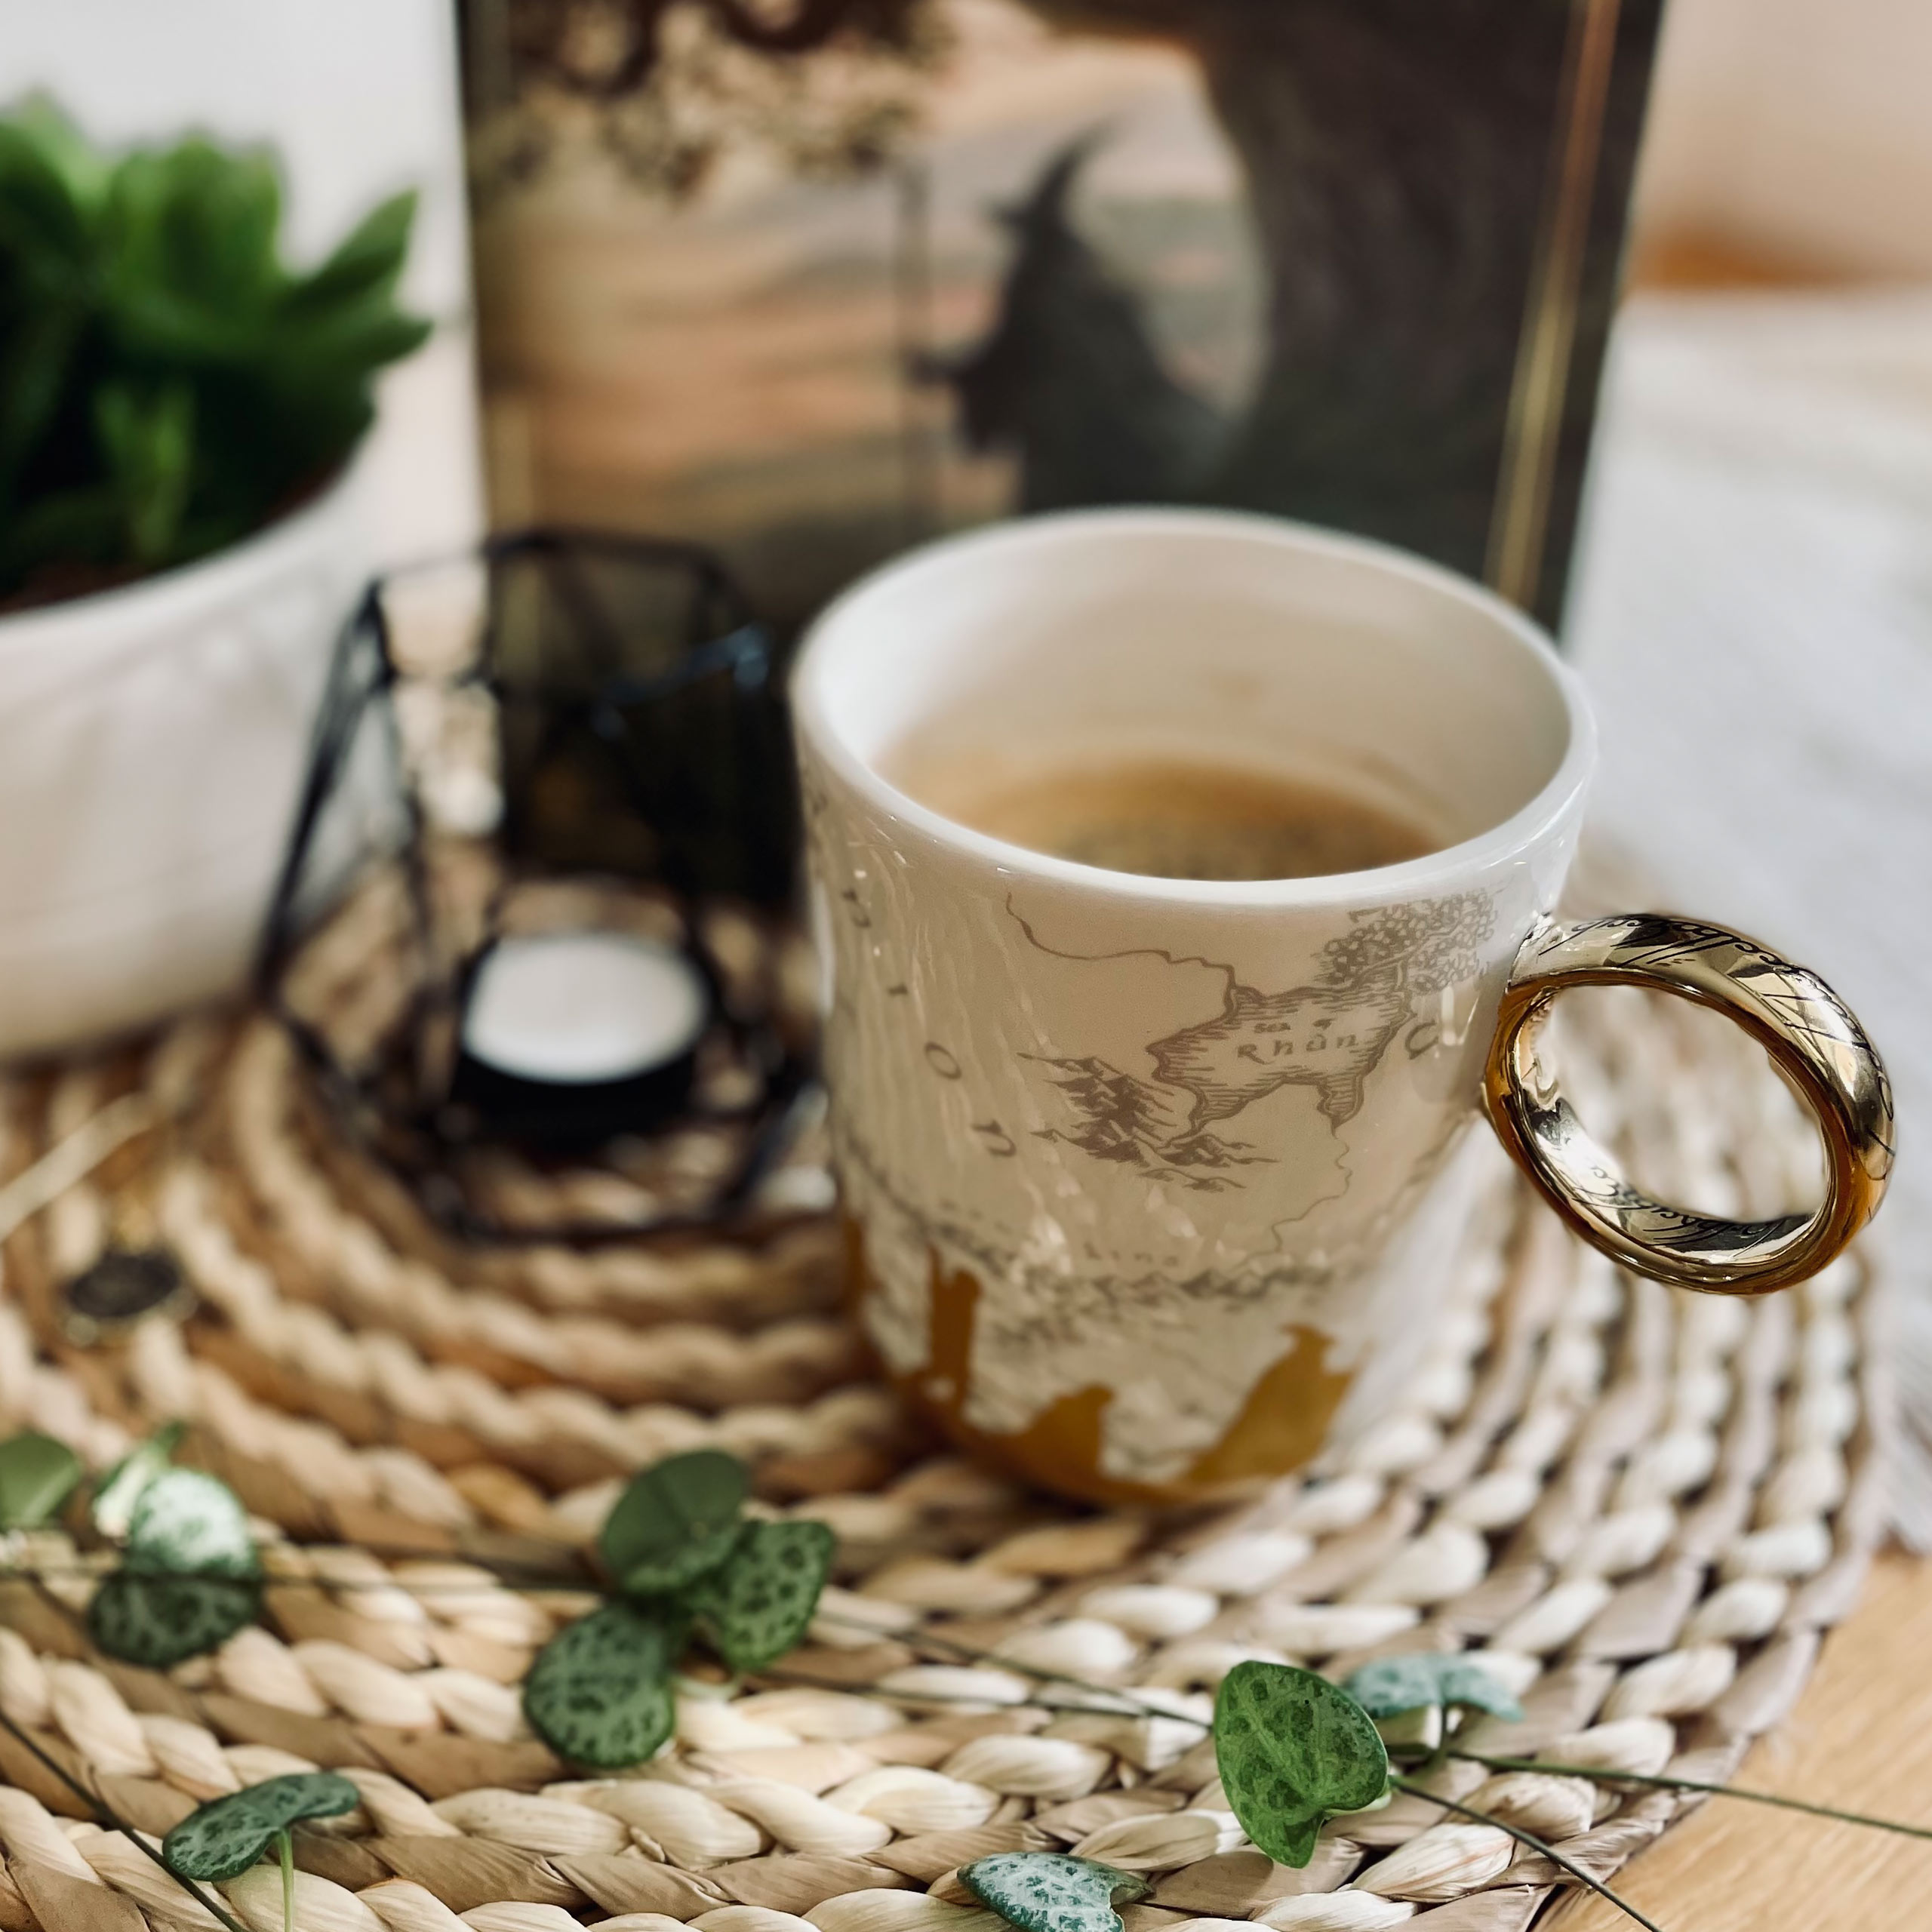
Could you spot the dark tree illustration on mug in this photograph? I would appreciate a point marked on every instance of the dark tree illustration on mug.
(1330, 1034)
(1280, 254)
(1140, 1124)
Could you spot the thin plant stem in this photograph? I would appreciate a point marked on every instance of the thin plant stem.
(804, 1680)
(1602, 1774)
(1534, 1843)
(285, 1842)
(104, 1813)
(1112, 1702)
(570, 1572)
(42, 1573)
(971, 1654)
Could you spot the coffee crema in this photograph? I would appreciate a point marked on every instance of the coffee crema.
(1169, 817)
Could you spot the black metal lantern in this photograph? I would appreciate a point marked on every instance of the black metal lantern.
(533, 933)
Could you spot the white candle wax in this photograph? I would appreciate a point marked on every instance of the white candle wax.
(577, 1007)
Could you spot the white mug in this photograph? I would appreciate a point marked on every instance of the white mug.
(1148, 1179)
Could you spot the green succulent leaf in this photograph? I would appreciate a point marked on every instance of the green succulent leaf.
(37, 1475)
(677, 1520)
(118, 1491)
(34, 369)
(147, 441)
(37, 129)
(758, 1605)
(1293, 1750)
(1389, 1687)
(168, 383)
(1045, 1891)
(157, 1621)
(227, 1835)
(186, 1522)
(599, 1694)
(366, 261)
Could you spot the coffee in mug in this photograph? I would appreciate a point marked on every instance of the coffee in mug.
(1166, 818)
(1185, 884)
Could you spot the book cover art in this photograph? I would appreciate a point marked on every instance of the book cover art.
(810, 280)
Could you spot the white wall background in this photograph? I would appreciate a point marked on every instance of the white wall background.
(1800, 130)
(359, 98)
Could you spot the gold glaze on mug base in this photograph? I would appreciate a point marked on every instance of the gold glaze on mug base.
(1281, 1427)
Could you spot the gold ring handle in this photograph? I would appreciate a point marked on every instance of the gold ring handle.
(1799, 1021)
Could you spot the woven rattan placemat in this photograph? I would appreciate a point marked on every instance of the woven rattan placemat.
(1644, 1509)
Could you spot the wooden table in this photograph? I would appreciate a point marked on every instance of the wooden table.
(1858, 1738)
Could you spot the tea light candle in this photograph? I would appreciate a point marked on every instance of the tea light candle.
(583, 1008)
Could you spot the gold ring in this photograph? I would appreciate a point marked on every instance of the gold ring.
(1798, 1020)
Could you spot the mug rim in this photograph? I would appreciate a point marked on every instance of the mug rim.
(1541, 814)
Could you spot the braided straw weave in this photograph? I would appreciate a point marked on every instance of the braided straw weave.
(1643, 1508)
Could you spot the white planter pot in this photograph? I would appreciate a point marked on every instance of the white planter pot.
(152, 741)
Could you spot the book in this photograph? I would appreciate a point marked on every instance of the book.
(810, 282)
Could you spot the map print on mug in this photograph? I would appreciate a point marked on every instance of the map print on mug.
(1330, 1035)
(1151, 1181)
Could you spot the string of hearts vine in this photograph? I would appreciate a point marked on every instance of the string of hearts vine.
(680, 1563)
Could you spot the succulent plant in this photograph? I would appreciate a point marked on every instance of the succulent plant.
(167, 383)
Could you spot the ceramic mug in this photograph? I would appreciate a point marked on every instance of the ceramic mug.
(1148, 1180)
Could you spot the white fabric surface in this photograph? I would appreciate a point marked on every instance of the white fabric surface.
(1753, 610)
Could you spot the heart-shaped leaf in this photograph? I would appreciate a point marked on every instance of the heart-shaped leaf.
(677, 1520)
(187, 1522)
(227, 1835)
(117, 1492)
(757, 1606)
(37, 1475)
(1044, 1891)
(156, 1621)
(1390, 1686)
(1293, 1749)
(599, 1693)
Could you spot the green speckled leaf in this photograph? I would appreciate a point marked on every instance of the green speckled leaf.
(676, 1521)
(599, 1692)
(757, 1606)
(117, 1492)
(1044, 1891)
(227, 1835)
(1293, 1749)
(37, 1475)
(187, 1523)
(1390, 1686)
(156, 1621)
